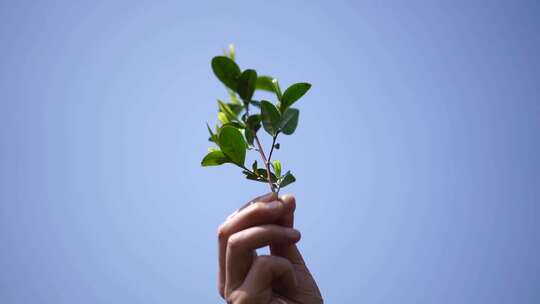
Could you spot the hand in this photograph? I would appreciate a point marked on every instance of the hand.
(281, 277)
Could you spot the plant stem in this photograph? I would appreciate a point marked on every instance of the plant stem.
(261, 152)
(272, 149)
(266, 163)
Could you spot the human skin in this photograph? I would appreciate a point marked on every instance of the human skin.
(281, 277)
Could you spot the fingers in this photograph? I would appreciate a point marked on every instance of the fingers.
(263, 210)
(288, 251)
(242, 244)
(266, 270)
(263, 198)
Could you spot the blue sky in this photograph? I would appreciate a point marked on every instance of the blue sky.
(416, 153)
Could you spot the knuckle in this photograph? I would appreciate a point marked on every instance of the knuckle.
(259, 208)
(238, 297)
(235, 241)
(222, 232)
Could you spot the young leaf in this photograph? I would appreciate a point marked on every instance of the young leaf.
(223, 107)
(233, 97)
(265, 83)
(232, 51)
(246, 84)
(287, 179)
(271, 118)
(232, 144)
(214, 158)
(293, 93)
(289, 120)
(277, 88)
(254, 166)
(222, 117)
(236, 124)
(276, 164)
(213, 137)
(226, 71)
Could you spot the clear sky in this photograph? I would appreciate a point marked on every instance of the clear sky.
(417, 151)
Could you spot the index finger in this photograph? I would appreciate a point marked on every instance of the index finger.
(261, 210)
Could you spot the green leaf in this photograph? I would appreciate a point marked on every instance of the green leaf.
(254, 166)
(255, 103)
(250, 136)
(222, 117)
(264, 83)
(236, 108)
(214, 158)
(289, 120)
(254, 122)
(246, 84)
(223, 107)
(287, 179)
(232, 144)
(226, 70)
(277, 88)
(254, 177)
(232, 52)
(276, 164)
(263, 173)
(213, 137)
(293, 93)
(233, 97)
(271, 118)
(236, 124)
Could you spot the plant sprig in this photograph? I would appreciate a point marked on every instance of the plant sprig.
(241, 118)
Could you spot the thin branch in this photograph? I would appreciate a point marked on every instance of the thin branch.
(266, 164)
(261, 152)
(272, 149)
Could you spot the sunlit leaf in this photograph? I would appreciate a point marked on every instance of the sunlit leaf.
(287, 179)
(214, 158)
(271, 118)
(293, 93)
(246, 84)
(276, 164)
(226, 70)
(289, 120)
(265, 83)
(232, 144)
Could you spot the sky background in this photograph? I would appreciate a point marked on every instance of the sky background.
(417, 151)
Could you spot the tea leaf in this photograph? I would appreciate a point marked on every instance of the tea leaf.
(246, 84)
(293, 93)
(271, 118)
(289, 120)
(276, 164)
(232, 144)
(226, 70)
(213, 137)
(214, 158)
(222, 117)
(254, 122)
(287, 179)
(265, 83)
(223, 107)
